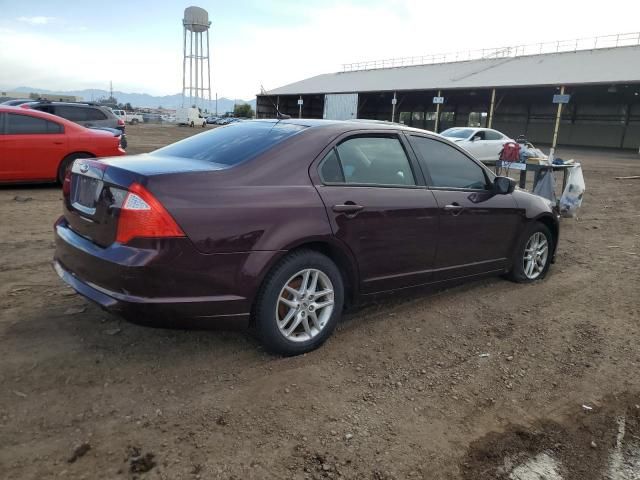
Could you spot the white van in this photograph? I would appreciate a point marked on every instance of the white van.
(190, 116)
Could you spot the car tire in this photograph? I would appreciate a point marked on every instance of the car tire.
(192, 125)
(533, 254)
(66, 163)
(312, 321)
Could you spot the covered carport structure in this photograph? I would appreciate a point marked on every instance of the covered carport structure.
(511, 92)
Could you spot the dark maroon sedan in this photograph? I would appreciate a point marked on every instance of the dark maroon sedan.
(282, 223)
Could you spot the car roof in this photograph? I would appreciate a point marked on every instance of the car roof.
(38, 114)
(68, 104)
(354, 124)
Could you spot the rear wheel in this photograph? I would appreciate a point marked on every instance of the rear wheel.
(66, 163)
(300, 303)
(532, 258)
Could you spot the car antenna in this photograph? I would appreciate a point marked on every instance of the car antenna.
(279, 115)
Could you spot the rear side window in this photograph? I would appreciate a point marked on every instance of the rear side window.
(233, 144)
(330, 169)
(447, 166)
(368, 160)
(24, 124)
(94, 114)
(74, 114)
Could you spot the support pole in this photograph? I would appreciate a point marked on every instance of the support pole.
(557, 126)
(209, 76)
(195, 64)
(438, 113)
(300, 108)
(393, 107)
(184, 62)
(190, 68)
(493, 102)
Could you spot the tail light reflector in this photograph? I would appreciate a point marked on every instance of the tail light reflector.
(142, 215)
(121, 122)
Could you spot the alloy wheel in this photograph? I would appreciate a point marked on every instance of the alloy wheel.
(305, 305)
(536, 253)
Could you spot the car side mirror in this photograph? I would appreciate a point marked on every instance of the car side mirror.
(504, 185)
(475, 139)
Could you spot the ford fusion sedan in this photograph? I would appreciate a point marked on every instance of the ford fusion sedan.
(38, 147)
(282, 223)
(483, 143)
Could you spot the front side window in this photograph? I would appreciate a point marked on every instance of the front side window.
(447, 166)
(374, 161)
(24, 124)
(493, 135)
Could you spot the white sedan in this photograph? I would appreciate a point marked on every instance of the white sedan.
(483, 143)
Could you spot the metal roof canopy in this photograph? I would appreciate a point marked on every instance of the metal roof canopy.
(607, 65)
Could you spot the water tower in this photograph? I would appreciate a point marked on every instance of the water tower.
(196, 68)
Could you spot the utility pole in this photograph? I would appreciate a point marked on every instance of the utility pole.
(557, 127)
(393, 107)
(438, 112)
(493, 101)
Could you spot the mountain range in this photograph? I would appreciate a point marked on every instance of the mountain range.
(141, 99)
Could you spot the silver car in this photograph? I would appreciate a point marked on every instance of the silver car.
(88, 115)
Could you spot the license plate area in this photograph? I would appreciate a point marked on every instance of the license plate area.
(85, 193)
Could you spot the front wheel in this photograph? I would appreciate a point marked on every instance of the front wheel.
(532, 258)
(300, 303)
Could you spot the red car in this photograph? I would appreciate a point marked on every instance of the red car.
(38, 147)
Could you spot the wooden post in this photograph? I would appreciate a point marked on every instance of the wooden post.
(437, 113)
(493, 101)
(557, 126)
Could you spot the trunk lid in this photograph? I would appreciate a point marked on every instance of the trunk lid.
(98, 189)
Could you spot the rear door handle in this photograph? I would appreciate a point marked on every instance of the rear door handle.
(347, 208)
(453, 208)
(58, 143)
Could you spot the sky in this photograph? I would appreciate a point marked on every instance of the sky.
(70, 44)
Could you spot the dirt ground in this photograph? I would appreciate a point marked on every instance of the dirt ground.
(487, 380)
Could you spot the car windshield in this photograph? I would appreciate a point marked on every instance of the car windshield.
(458, 133)
(233, 144)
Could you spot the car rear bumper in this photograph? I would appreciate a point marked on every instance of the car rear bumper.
(165, 282)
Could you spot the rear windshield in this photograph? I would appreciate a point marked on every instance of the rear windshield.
(457, 133)
(232, 144)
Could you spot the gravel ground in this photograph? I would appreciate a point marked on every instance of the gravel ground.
(486, 380)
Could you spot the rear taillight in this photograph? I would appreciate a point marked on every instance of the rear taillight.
(121, 122)
(66, 184)
(141, 215)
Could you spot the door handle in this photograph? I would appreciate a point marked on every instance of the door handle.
(347, 208)
(58, 143)
(454, 208)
